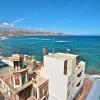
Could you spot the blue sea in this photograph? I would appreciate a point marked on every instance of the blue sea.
(88, 47)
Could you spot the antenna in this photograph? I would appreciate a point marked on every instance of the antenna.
(53, 50)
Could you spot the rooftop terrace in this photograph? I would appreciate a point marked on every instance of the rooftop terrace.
(62, 56)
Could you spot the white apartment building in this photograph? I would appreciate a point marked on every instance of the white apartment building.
(66, 74)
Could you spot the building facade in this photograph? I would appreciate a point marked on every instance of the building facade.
(24, 81)
(65, 73)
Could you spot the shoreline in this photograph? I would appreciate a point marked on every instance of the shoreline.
(90, 71)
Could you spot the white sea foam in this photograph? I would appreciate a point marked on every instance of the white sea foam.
(44, 39)
(60, 41)
(33, 38)
(3, 38)
(31, 43)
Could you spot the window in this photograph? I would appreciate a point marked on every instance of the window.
(78, 84)
(69, 83)
(77, 60)
(17, 81)
(0, 83)
(68, 93)
(34, 93)
(65, 67)
(21, 63)
(23, 79)
(15, 64)
(45, 90)
(79, 74)
(34, 75)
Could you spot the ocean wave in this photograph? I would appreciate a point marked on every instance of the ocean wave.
(62, 41)
(3, 38)
(31, 43)
(43, 39)
(33, 38)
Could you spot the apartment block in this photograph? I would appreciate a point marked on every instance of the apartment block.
(66, 74)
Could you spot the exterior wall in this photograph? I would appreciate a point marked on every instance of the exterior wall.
(13, 96)
(26, 93)
(71, 66)
(5, 90)
(24, 77)
(54, 69)
(35, 92)
(17, 79)
(8, 94)
(15, 76)
(43, 91)
(3, 87)
(64, 86)
(76, 81)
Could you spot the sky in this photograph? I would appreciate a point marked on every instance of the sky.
(75, 17)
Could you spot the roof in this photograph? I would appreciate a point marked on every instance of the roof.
(40, 81)
(31, 98)
(62, 56)
(11, 71)
(94, 93)
(16, 57)
(19, 70)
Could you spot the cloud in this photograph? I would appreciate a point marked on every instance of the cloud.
(24, 18)
(6, 24)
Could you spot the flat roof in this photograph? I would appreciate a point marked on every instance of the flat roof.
(24, 86)
(62, 56)
(41, 80)
(19, 70)
(11, 71)
(31, 98)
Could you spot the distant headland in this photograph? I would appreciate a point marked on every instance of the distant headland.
(11, 31)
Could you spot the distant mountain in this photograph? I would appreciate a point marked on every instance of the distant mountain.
(6, 30)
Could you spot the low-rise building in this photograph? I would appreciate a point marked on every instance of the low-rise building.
(66, 74)
(24, 80)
